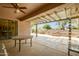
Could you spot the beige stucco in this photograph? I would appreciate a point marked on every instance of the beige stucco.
(24, 28)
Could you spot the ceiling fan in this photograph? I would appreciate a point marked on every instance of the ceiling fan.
(16, 7)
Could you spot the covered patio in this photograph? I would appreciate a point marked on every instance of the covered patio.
(42, 44)
(64, 12)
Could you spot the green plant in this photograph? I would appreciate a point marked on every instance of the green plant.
(46, 26)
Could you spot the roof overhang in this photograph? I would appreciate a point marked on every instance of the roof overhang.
(62, 12)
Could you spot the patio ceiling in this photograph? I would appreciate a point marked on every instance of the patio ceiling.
(9, 13)
(61, 12)
(32, 10)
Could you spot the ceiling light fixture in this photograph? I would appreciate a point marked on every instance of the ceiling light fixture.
(17, 11)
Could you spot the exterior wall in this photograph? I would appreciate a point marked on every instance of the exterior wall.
(24, 28)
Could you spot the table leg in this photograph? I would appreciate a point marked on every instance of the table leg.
(15, 43)
(25, 41)
(30, 42)
(19, 45)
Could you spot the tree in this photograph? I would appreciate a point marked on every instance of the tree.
(62, 24)
(47, 26)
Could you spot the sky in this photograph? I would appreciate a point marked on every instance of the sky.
(52, 24)
(55, 25)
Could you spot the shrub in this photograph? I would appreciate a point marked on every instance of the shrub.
(46, 26)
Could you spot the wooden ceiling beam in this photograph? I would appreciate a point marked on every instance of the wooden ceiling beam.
(51, 16)
(57, 14)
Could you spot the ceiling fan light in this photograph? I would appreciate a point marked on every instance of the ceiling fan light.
(17, 11)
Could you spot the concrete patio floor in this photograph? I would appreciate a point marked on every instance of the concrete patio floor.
(43, 45)
(58, 42)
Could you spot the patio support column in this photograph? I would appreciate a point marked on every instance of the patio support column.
(36, 30)
(69, 43)
(78, 22)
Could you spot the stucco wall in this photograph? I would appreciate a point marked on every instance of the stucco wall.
(24, 28)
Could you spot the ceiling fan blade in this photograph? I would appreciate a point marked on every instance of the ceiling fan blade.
(13, 4)
(16, 5)
(7, 7)
(22, 8)
(22, 11)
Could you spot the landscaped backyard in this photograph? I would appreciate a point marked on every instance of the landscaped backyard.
(60, 28)
(56, 34)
